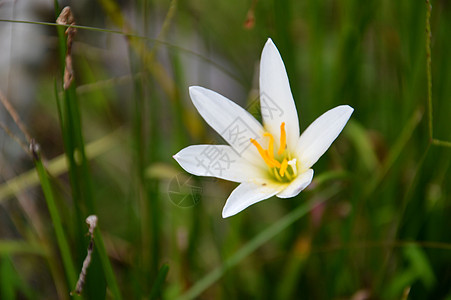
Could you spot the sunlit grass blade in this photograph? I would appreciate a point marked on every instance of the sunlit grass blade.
(57, 166)
(14, 247)
(267, 234)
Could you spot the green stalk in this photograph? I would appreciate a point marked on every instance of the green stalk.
(433, 141)
(428, 68)
(157, 286)
(107, 268)
(63, 244)
(7, 278)
(152, 187)
(140, 162)
(65, 118)
(79, 173)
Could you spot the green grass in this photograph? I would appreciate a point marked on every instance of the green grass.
(374, 221)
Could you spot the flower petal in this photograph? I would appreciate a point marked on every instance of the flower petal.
(219, 161)
(276, 100)
(318, 137)
(247, 194)
(297, 185)
(232, 122)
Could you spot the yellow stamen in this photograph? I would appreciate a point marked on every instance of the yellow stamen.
(271, 162)
(278, 169)
(283, 139)
(276, 163)
(271, 144)
(283, 167)
(259, 148)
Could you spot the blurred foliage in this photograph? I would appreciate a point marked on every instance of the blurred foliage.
(380, 226)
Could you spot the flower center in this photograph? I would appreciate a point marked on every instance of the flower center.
(281, 166)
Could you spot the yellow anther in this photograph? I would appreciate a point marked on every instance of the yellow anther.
(283, 139)
(259, 148)
(283, 167)
(271, 162)
(271, 144)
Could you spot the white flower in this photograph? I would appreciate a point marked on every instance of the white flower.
(267, 160)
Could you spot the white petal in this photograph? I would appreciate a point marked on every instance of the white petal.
(219, 161)
(297, 185)
(276, 100)
(247, 194)
(232, 122)
(318, 137)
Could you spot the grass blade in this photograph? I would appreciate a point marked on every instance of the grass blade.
(248, 249)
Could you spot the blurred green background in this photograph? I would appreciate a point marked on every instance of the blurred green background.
(380, 228)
